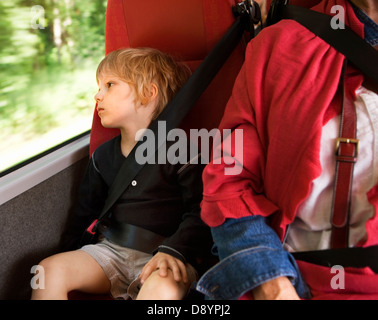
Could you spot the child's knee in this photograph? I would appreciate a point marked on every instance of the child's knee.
(54, 280)
(55, 271)
(50, 265)
(162, 288)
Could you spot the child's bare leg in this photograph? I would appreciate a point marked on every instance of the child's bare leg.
(74, 270)
(163, 288)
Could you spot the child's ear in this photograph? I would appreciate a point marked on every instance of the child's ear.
(151, 94)
(153, 91)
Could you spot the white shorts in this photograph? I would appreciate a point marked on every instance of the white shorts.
(122, 266)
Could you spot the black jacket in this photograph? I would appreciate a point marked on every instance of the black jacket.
(163, 198)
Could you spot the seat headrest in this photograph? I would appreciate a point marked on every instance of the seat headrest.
(186, 29)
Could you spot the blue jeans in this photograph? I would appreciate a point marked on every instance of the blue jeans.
(250, 254)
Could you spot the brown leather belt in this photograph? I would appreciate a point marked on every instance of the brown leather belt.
(346, 156)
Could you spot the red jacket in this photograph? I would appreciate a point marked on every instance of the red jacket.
(281, 99)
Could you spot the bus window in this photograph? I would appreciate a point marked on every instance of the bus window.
(49, 51)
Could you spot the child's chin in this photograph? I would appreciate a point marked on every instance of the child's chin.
(106, 124)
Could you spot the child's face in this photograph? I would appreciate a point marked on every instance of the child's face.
(116, 102)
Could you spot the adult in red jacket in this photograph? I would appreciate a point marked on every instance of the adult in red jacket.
(286, 102)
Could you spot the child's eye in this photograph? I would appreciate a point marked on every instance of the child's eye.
(109, 84)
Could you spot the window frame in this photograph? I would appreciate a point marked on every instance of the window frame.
(22, 177)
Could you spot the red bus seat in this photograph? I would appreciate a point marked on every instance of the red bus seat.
(185, 29)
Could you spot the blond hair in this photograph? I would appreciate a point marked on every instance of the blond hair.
(142, 67)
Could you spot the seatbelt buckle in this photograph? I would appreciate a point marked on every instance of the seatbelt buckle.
(92, 228)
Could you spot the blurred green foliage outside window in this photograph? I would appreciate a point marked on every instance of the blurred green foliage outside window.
(49, 52)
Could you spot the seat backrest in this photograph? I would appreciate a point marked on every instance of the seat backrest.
(186, 29)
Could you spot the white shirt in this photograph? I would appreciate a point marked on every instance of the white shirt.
(311, 229)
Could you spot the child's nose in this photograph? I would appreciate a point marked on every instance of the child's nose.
(98, 96)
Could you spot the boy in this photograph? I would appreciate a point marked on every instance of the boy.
(163, 201)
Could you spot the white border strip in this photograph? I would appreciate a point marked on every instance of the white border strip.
(28, 176)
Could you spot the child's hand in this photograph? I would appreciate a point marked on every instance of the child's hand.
(162, 262)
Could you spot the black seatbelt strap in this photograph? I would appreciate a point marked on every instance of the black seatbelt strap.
(177, 109)
(346, 41)
(347, 257)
